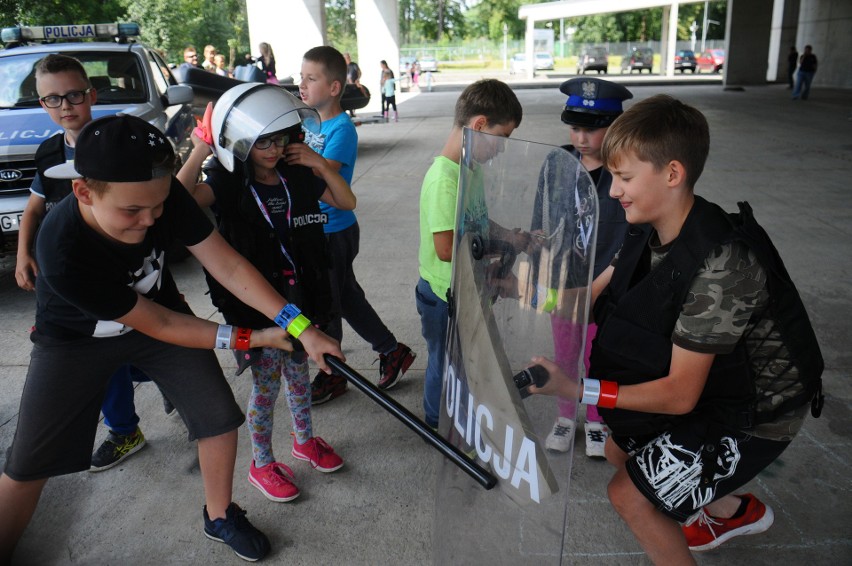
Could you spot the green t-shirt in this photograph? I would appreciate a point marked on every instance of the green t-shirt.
(438, 197)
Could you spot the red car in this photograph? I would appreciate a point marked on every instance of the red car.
(711, 60)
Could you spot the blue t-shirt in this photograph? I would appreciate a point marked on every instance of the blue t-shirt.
(337, 141)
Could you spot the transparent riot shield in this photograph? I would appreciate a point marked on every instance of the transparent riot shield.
(522, 263)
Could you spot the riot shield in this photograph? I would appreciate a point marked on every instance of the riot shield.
(522, 262)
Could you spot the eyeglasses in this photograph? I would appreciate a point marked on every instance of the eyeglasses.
(74, 97)
(280, 140)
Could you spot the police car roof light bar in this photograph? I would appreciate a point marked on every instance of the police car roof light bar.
(69, 32)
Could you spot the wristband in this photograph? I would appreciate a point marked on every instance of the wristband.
(299, 324)
(223, 337)
(609, 395)
(287, 315)
(544, 297)
(243, 339)
(591, 391)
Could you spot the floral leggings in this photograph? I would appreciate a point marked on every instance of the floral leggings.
(266, 375)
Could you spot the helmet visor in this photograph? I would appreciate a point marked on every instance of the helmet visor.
(243, 124)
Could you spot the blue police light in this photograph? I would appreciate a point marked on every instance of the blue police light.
(10, 34)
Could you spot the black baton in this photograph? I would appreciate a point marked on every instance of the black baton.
(456, 456)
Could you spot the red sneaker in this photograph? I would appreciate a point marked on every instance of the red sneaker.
(318, 453)
(326, 387)
(704, 532)
(392, 366)
(274, 481)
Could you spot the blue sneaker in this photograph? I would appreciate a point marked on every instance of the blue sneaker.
(235, 530)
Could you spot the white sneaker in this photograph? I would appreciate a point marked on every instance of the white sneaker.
(596, 434)
(561, 436)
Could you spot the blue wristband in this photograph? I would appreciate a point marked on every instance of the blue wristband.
(287, 315)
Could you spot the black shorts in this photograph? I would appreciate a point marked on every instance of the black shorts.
(668, 468)
(65, 386)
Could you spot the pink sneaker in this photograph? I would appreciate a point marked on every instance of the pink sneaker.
(318, 453)
(274, 481)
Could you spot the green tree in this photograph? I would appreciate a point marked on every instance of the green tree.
(59, 12)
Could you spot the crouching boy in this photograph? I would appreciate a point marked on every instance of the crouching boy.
(106, 298)
(693, 366)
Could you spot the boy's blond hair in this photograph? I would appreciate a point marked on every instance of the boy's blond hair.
(55, 63)
(490, 98)
(332, 61)
(659, 130)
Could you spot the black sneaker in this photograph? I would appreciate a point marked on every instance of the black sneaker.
(235, 530)
(115, 448)
(326, 387)
(392, 366)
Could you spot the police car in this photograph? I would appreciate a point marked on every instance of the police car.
(128, 76)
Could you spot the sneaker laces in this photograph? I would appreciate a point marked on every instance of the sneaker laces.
(319, 447)
(278, 474)
(596, 435)
(559, 430)
(704, 520)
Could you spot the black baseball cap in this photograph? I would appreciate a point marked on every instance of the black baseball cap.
(118, 149)
(592, 103)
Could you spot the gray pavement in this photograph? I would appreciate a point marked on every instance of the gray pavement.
(792, 161)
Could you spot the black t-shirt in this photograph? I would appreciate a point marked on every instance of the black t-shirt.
(86, 281)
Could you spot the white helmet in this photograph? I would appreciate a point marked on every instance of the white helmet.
(248, 111)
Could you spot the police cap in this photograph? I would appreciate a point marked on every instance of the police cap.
(592, 103)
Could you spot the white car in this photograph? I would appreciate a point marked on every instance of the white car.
(128, 76)
(428, 64)
(543, 62)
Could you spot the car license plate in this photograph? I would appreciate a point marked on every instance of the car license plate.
(10, 222)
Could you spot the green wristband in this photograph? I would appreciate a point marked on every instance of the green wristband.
(298, 325)
(550, 300)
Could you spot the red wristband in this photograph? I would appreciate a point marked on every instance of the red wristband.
(609, 395)
(243, 339)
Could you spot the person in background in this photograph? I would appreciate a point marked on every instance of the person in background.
(792, 61)
(190, 58)
(221, 69)
(592, 105)
(323, 75)
(209, 55)
(807, 69)
(266, 61)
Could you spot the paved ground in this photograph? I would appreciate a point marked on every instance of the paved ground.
(792, 161)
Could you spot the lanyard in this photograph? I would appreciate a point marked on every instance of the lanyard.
(265, 213)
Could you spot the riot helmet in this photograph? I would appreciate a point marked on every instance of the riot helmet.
(248, 111)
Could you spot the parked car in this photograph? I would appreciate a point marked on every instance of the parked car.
(128, 76)
(593, 59)
(428, 64)
(543, 62)
(684, 61)
(638, 59)
(711, 60)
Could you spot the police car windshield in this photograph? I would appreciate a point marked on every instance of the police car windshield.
(115, 75)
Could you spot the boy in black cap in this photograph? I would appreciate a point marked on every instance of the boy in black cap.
(592, 105)
(106, 298)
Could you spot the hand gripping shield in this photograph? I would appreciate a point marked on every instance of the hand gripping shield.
(522, 264)
(252, 110)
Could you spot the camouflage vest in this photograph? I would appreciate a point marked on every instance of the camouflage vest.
(637, 314)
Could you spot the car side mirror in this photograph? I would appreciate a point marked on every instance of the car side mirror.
(179, 94)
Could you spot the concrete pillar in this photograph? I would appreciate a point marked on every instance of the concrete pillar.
(747, 29)
(291, 27)
(826, 25)
(668, 45)
(785, 20)
(377, 27)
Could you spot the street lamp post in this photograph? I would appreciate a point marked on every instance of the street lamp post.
(505, 45)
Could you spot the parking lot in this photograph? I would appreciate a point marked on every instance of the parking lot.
(791, 160)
